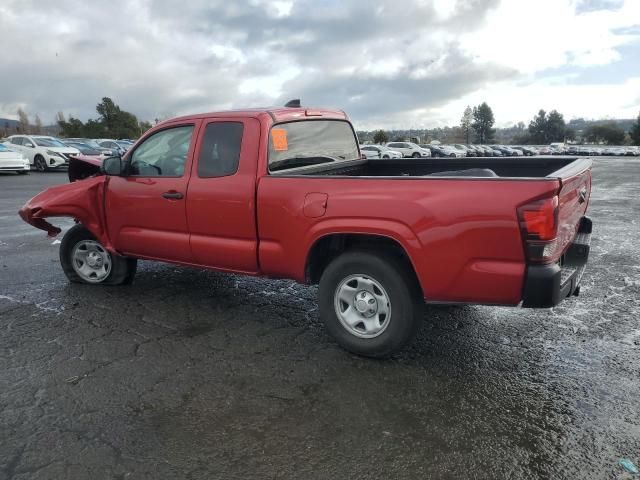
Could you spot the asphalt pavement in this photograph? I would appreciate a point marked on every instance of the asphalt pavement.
(199, 375)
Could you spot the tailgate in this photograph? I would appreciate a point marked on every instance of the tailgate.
(573, 199)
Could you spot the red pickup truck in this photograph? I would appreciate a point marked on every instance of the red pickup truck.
(285, 193)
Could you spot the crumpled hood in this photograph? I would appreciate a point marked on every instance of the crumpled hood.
(83, 201)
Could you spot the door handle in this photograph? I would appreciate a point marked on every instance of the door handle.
(172, 195)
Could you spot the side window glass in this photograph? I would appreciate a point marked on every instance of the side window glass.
(220, 151)
(16, 140)
(163, 154)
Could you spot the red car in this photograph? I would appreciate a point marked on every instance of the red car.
(284, 193)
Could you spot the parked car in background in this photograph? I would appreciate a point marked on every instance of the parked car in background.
(117, 147)
(451, 151)
(13, 161)
(409, 149)
(86, 150)
(468, 152)
(527, 151)
(369, 152)
(92, 143)
(544, 150)
(379, 151)
(507, 151)
(43, 152)
(480, 151)
(436, 150)
(488, 151)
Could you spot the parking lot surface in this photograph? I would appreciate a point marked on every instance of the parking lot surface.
(199, 375)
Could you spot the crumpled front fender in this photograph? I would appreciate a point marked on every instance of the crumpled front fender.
(83, 201)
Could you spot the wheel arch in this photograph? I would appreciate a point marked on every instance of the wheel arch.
(330, 245)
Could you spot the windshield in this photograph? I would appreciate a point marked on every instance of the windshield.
(48, 142)
(311, 142)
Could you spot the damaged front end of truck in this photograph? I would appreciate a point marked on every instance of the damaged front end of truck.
(81, 200)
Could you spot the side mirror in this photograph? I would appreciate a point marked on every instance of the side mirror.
(112, 166)
(30, 145)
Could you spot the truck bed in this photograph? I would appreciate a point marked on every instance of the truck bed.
(484, 167)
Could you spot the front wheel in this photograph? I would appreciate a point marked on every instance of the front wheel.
(415, 155)
(40, 163)
(370, 303)
(85, 260)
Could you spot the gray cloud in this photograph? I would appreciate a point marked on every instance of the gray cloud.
(156, 57)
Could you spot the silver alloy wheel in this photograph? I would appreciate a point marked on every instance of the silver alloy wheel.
(91, 261)
(362, 306)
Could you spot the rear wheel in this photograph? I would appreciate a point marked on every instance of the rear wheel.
(370, 303)
(40, 163)
(85, 260)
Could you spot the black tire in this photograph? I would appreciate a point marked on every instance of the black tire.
(415, 155)
(399, 283)
(453, 155)
(40, 163)
(123, 269)
(385, 156)
(22, 172)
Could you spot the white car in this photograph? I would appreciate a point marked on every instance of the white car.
(43, 152)
(409, 149)
(12, 161)
(379, 151)
(451, 151)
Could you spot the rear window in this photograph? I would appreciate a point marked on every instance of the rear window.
(311, 142)
(220, 152)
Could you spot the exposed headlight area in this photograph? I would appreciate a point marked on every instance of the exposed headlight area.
(51, 153)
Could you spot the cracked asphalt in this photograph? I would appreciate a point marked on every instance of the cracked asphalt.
(198, 375)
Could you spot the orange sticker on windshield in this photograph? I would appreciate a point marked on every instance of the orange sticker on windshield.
(279, 137)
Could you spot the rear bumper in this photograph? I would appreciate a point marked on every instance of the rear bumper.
(547, 285)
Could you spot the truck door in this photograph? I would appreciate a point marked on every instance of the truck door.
(145, 210)
(221, 208)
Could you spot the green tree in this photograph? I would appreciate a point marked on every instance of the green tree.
(94, 129)
(609, 133)
(483, 123)
(538, 128)
(556, 128)
(109, 114)
(545, 128)
(465, 123)
(72, 128)
(380, 137)
(634, 133)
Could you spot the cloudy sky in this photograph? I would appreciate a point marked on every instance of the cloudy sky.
(388, 63)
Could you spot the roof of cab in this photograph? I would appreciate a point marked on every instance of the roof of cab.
(278, 114)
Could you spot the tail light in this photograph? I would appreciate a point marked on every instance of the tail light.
(539, 228)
